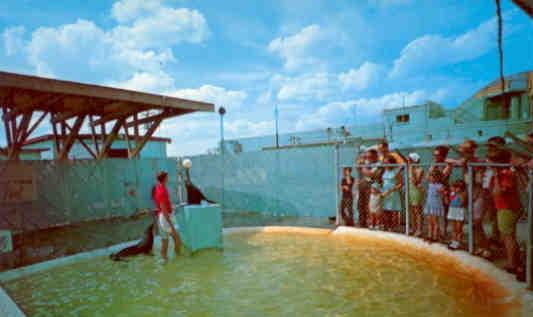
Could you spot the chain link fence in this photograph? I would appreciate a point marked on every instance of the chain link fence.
(50, 209)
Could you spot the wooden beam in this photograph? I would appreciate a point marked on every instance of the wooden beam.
(127, 134)
(64, 116)
(41, 101)
(36, 124)
(46, 85)
(93, 134)
(57, 148)
(165, 114)
(21, 135)
(146, 137)
(136, 125)
(110, 138)
(7, 127)
(23, 127)
(82, 142)
(72, 136)
(114, 116)
(18, 138)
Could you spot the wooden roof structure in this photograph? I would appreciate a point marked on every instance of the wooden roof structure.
(526, 6)
(27, 100)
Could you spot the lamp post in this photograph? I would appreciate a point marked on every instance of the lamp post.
(222, 112)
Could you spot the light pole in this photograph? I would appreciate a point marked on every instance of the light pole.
(222, 112)
(276, 113)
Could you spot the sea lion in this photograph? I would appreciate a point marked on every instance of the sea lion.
(142, 247)
(194, 194)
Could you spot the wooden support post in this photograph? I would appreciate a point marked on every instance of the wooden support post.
(82, 142)
(109, 139)
(18, 139)
(136, 125)
(57, 148)
(146, 137)
(93, 134)
(126, 133)
(35, 125)
(72, 136)
(103, 132)
(6, 126)
(23, 127)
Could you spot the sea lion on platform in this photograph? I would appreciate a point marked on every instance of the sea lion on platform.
(194, 194)
(142, 247)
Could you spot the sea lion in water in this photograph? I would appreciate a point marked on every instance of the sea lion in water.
(142, 247)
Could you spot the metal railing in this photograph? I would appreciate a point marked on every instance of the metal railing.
(473, 188)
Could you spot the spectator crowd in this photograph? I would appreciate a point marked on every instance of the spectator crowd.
(384, 182)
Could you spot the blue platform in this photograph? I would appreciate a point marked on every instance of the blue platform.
(200, 226)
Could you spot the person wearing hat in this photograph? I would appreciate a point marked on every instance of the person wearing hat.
(416, 194)
(164, 215)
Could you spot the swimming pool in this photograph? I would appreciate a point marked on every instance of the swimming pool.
(271, 272)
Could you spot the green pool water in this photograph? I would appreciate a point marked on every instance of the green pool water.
(264, 274)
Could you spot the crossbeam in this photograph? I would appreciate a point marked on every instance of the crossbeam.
(110, 138)
(139, 146)
(72, 136)
(165, 114)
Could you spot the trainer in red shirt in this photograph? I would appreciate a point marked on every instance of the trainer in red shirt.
(162, 199)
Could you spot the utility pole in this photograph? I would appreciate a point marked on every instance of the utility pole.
(276, 114)
(222, 112)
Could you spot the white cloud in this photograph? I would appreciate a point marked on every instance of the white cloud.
(146, 81)
(303, 87)
(141, 43)
(128, 10)
(433, 51)
(13, 40)
(82, 43)
(297, 50)
(231, 99)
(362, 77)
(265, 98)
(364, 109)
(196, 133)
(164, 28)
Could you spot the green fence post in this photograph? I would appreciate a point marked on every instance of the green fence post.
(529, 268)
(470, 209)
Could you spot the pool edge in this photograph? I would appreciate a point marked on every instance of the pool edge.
(506, 280)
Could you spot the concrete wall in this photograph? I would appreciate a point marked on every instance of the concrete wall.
(285, 182)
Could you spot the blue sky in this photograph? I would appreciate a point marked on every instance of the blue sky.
(325, 63)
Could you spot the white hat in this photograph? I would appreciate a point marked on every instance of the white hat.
(414, 157)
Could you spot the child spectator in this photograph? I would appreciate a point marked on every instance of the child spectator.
(375, 206)
(346, 207)
(434, 204)
(456, 213)
(416, 194)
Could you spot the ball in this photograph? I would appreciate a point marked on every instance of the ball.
(187, 163)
